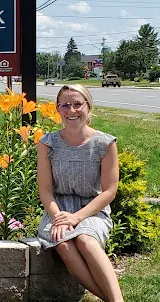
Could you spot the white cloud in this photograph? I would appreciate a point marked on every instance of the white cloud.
(81, 7)
(134, 23)
(48, 27)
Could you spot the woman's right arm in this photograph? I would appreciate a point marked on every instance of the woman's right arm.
(45, 181)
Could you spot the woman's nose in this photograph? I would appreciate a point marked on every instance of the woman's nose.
(72, 108)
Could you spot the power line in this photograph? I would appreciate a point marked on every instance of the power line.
(114, 1)
(43, 4)
(115, 33)
(102, 17)
(38, 9)
(109, 6)
(85, 44)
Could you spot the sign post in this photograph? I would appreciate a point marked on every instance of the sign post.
(60, 64)
(28, 62)
(10, 37)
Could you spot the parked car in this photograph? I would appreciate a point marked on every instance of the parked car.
(49, 82)
(111, 79)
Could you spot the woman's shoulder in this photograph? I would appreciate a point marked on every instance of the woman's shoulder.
(102, 142)
(105, 137)
(49, 138)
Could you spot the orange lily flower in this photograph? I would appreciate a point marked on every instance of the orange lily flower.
(53, 113)
(24, 132)
(38, 133)
(49, 110)
(5, 160)
(55, 117)
(43, 108)
(28, 106)
(16, 98)
(5, 103)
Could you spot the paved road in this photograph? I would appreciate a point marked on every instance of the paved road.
(128, 98)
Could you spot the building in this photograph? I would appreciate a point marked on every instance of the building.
(89, 60)
(94, 63)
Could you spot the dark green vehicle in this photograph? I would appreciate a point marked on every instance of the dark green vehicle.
(111, 80)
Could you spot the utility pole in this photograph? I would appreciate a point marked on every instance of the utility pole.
(48, 68)
(103, 50)
(61, 72)
(28, 62)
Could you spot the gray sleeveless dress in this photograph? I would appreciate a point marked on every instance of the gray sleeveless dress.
(76, 172)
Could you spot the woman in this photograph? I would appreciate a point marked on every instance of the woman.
(78, 178)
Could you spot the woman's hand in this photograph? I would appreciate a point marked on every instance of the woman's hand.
(58, 232)
(62, 218)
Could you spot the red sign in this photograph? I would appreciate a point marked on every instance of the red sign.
(98, 63)
(10, 33)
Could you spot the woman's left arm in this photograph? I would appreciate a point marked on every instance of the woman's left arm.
(109, 183)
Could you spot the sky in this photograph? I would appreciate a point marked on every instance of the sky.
(91, 20)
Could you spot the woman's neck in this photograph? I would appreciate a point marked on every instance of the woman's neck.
(78, 136)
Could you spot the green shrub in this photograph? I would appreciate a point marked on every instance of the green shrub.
(154, 73)
(31, 221)
(136, 226)
(137, 79)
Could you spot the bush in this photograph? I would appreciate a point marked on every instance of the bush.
(137, 79)
(154, 73)
(136, 226)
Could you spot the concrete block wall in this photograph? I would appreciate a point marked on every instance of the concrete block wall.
(30, 274)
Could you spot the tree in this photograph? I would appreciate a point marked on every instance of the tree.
(46, 63)
(74, 68)
(109, 62)
(127, 58)
(72, 51)
(148, 42)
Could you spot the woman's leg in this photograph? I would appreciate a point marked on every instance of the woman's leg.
(77, 267)
(100, 267)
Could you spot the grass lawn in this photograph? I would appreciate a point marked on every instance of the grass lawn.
(136, 131)
(94, 82)
(140, 281)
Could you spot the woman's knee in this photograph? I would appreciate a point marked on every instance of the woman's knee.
(85, 243)
(64, 250)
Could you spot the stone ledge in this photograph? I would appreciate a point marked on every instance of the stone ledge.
(43, 262)
(14, 259)
(14, 289)
(48, 279)
(55, 288)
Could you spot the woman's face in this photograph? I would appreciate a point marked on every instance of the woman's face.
(73, 109)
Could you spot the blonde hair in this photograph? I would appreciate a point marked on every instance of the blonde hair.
(83, 91)
(79, 88)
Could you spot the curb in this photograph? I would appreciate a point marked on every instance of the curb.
(126, 87)
(152, 200)
(122, 87)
